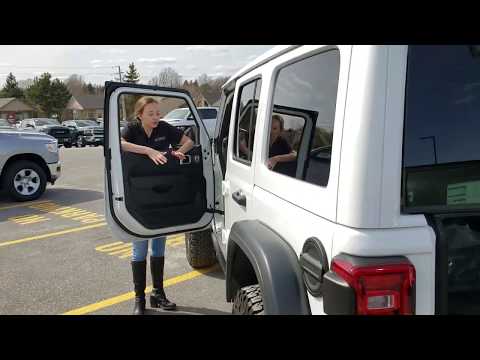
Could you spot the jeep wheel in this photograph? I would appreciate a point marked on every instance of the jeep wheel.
(25, 181)
(248, 301)
(200, 250)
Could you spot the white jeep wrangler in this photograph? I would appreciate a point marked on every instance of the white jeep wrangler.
(376, 212)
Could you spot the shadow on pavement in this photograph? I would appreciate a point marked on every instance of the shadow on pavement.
(186, 310)
(64, 196)
(60, 196)
(216, 274)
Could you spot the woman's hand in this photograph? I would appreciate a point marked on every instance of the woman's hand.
(179, 155)
(157, 157)
(272, 162)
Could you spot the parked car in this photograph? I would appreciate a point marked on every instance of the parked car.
(28, 160)
(184, 118)
(86, 132)
(52, 127)
(382, 212)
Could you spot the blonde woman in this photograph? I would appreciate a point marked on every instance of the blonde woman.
(151, 137)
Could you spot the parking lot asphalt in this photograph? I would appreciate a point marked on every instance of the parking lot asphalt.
(57, 255)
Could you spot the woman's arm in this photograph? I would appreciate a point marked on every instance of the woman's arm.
(281, 158)
(186, 144)
(286, 157)
(156, 156)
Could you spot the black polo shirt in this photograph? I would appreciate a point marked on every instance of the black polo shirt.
(279, 147)
(160, 139)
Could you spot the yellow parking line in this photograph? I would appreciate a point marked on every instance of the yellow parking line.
(106, 247)
(23, 205)
(44, 236)
(130, 295)
(127, 255)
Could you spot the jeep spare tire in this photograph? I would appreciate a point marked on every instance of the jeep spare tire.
(199, 248)
(25, 180)
(248, 301)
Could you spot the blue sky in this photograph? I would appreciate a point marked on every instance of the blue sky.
(97, 63)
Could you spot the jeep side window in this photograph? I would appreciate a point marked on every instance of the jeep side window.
(286, 134)
(245, 121)
(441, 155)
(309, 86)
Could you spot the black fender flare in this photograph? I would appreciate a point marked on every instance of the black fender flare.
(275, 264)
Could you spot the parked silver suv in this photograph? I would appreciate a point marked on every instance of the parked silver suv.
(28, 160)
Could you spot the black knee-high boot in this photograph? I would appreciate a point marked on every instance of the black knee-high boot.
(158, 298)
(139, 269)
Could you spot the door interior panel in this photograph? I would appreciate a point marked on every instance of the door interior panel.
(172, 194)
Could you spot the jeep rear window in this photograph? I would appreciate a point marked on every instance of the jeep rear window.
(441, 152)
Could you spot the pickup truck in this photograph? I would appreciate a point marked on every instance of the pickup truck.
(86, 132)
(28, 160)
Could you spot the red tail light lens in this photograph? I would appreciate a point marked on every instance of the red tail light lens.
(381, 288)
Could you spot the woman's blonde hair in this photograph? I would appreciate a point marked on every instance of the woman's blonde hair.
(141, 103)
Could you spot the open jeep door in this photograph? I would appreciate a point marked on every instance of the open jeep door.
(144, 200)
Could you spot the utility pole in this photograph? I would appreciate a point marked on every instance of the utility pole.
(120, 72)
(124, 115)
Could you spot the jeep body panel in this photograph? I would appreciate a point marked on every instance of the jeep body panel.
(275, 265)
(358, 212)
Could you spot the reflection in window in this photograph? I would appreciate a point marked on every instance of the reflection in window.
(246, 120)
(305, 96)
(171, 109)
(441, 151)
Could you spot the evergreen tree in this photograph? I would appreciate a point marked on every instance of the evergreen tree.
(50, 96)
(11, 89)
(132, 75)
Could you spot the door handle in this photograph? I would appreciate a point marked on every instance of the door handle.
(240, 198)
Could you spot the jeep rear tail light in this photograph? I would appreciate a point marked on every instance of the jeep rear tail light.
(381, 286)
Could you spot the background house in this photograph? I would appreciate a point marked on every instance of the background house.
(84, 107)
(15, 110)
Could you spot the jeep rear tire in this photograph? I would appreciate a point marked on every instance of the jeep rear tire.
(248, 301)
(200, 250)
(25, 180)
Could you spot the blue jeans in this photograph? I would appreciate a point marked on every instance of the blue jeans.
(140, 248)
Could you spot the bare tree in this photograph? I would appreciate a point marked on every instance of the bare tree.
(203, 79)
(75, 85)
(168, 77)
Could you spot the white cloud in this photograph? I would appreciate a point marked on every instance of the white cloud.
(212, 49)
(217, 74)
(191, 67)
(113, 51)
(226, 67)
(162, 60)
(102, 63)
(5, 64)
